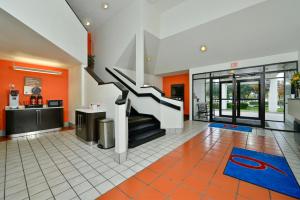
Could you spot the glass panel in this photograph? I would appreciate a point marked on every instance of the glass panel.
(288, 91)
(226, 90)
(201, 76)
(227, 107)
(201, 99)
(219, 74)
(216, 110)
(281, 67)
(216, 91)
(249, 108)
(274, 97)
(249, 90)
(249, 70)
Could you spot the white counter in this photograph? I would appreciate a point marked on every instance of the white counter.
(294, 108)
(89, 110)
(23, 108)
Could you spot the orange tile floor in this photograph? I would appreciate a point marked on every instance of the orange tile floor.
(195, 171)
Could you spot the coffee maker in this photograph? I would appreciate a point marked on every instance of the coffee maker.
(13, 98)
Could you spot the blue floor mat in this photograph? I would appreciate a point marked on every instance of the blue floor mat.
(231, 127)
(265, 170)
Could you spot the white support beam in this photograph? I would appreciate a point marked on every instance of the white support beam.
(140, 49)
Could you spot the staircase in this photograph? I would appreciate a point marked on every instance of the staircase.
(142, 128)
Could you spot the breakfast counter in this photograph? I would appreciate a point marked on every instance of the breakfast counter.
(86, 124)
(33, 120)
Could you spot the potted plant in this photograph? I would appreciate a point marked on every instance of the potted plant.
(295, 82)
(91, 61)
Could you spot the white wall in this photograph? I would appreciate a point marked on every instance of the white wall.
(192, 13)
(292, 56)
(105, 95)
(151, 19)
(112, 38)
(75, 91)
(150, 79)
(55, 21)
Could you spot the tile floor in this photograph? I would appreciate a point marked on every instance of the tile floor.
(59, 166)
(195, 169)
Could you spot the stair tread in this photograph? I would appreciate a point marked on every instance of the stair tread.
(147, 134)
(143, 138)
(139, 119)
(143, 126)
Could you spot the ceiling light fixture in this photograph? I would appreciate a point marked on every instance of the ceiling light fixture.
(203, 48)
(105, 6)
(35, 70)
(88, 23)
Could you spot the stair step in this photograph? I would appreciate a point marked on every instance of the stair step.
(137, 120)
(141, 128)
(147, 136)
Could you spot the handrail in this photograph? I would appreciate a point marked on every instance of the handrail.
(155, 88)
(128, 109)
(133, 82)
(158, 100)
(94, 75)
(125, 76)
(122, 98)
(76, 15)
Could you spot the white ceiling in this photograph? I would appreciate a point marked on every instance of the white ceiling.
(93, 12)
(20, 43)
(164, 5)
(269, 28)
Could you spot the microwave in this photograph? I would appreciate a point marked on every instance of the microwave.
(55, 103)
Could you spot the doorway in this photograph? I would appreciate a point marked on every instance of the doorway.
(254, 96)
(237, 99)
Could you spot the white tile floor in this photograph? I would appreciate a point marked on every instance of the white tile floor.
(59, 166)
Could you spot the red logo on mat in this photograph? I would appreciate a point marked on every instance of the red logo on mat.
(261, 164)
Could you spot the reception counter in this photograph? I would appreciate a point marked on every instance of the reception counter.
(294, 110)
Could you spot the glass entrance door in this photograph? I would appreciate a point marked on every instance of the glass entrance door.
(248, 100)
(237, 100)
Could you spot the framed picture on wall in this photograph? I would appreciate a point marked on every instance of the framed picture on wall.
(30, 83)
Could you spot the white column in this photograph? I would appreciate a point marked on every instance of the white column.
(140, 45)
(273, 96)
(83, 86)
(224, 95)
(121, 133)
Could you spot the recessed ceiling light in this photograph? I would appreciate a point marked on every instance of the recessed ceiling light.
(105, 6)
(88, 23)
(203, 48)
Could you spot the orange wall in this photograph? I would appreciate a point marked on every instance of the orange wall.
(90, 50)
(53, 86)
(178, 79)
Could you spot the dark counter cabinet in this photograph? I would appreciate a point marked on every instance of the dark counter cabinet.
(86, 127)
(31, 120)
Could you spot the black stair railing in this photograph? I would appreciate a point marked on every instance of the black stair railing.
(158, 100)
(122, 98)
